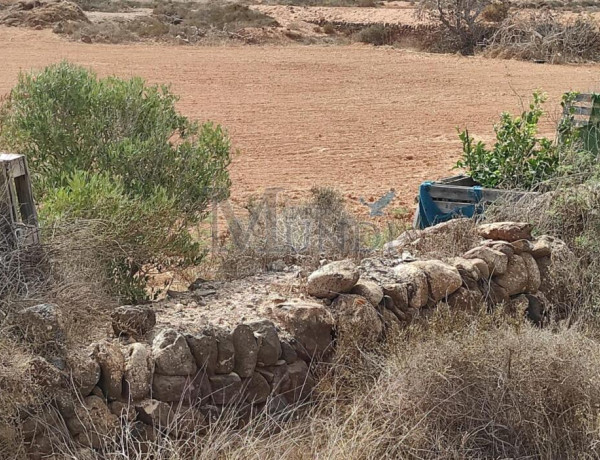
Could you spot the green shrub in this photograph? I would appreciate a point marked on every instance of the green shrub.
(376, 34)
(117, 151)
(519, 158)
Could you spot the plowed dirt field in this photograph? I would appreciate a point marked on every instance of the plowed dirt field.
(359, 118)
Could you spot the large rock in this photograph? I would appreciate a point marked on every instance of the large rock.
(357, 321)
(93, 418)
(41, 325)
(466, 299)
(416, 280)
(269, 350)
(133, 320)
(203, 346)
(84, 371)
(496, 261)
(311, 324)
(257, 389)
(171, 354)
(506, 231)
(396, 300)
(443, 279)
(226, 388)
(288, 352)
(225, 352)
(534, 279)
(301, 382)
(109, 356)
(139, 368)
(542, 247)
(370, 290)
(246, 350)
(516, 278)
(155, 413)
(333, 279)
(176, 388)
(468, 268)
(277, 376)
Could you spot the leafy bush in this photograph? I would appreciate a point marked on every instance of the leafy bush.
(519, 159)
(117, 151)
(376, 34)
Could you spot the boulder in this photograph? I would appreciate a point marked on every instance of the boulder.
(277, 376)
(288, 352)
(257, 389)
(416, 280)
(40, 325)
(333, 279)
(506, 231)
(521, 246)
(542, 247)
(155, 413)
(466, 299)
(443, 279)
(496, 261)
(467, 268)
(301, 382)
(124, 411)
(482, 268)
(93, 417)
(139, 368)
(133, 320)
(516, 277)
(357, 320)
(246, 350)
(534, 279)
(311, 324)
(203, 346)
(370, 290)
(226, 388)
(171, 354)
(112, 368)
(269, 350)
(225, 352)
(84, 371)
(398, 294)
(176, 388)
(503, 246)
(496, 294)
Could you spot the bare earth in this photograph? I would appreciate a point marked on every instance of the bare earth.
(360, 118)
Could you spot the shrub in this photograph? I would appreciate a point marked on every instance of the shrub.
(376, 34)
(117, 151)
(519, 159)
(546, 36)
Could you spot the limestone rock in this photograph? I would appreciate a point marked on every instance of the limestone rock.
(506, 231)
(503, 246)
(443, 279)
(133, 320)
(521, 246)
(40, 324)
(309, 323)
(496, 261)
(203, 346)
(333, 279)
(357, 320)
(171, 354)
(112, 368)
(542, 247)
(301, 382)
(516, 278)
(139, 368)
(257, 389)
(398, 293)
(84, 371)
(482, 268)
(246, 350)
(534, 279)
(466, 299)
(269, 350)
(416, 280)
(155, 413)
(93, 417)
(370, 290)
(175, 388)
(467, 268)
(226, 388)
(225, 352)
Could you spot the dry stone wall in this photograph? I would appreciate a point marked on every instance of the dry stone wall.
(146, 376)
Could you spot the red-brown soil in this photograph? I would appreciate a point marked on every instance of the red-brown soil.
(359, 118)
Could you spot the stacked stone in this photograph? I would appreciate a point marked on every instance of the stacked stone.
(508, 266)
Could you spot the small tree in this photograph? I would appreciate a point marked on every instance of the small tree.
(458, 17)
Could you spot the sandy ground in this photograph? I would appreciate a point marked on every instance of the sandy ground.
(359, 118)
